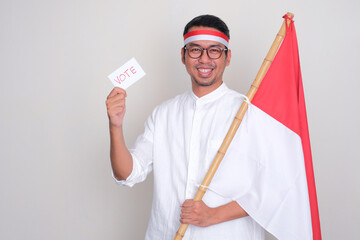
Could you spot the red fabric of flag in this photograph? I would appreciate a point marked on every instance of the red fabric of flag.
(281, 96)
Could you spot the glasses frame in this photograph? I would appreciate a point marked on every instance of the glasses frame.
(202, 51)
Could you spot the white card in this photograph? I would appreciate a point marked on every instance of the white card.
(127, 74)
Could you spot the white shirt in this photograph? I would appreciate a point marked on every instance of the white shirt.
(181, 138)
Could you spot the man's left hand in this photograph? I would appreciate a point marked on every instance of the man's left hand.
(197, 213)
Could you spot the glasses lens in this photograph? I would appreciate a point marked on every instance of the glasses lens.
(195, 51)
(214, 52)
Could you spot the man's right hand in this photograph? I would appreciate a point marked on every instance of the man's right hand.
(121, 159)
(116, 107)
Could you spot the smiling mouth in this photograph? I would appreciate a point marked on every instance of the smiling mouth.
(204, 70)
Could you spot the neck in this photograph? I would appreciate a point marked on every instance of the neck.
(201, 91)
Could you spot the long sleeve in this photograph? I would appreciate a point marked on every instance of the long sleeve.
(142, 154)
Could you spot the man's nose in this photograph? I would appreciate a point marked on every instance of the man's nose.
(204, 56)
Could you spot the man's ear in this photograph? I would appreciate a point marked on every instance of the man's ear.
(228, 57)
(183, 55)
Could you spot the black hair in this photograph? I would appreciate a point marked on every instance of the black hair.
(208, 21)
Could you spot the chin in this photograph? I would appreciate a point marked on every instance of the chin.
(204, 83)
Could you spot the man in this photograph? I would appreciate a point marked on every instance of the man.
(180, 140)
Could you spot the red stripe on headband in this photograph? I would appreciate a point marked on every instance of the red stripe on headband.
(206, 32)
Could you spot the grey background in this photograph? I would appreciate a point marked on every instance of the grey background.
(55, 180)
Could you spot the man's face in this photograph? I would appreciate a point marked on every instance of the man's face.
(205, 71)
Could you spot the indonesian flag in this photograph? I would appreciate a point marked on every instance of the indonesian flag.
(273, 166)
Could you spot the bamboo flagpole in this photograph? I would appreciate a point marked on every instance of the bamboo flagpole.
(238, 118)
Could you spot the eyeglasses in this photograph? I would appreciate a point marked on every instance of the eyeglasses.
(212, 52)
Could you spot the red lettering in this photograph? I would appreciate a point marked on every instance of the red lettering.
(127, 73)
(124, 77)
(118, 80)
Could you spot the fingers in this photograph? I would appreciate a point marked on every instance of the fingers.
(116, 95)
(195, 213)
(187, 203)
(188, 212)
(115, 104)
(115, 101)
(115, 91)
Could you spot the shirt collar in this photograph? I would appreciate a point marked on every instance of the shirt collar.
(214, 95)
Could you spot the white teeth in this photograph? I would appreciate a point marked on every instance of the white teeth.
(204, 70)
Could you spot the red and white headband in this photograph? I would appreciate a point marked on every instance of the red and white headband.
(206, 35)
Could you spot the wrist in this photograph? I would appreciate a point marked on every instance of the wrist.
(115, 126)
(215, 217)
(115, 130)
